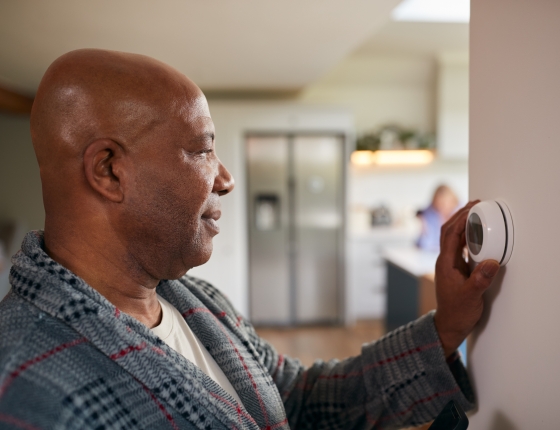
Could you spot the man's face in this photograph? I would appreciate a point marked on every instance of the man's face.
(173, 200)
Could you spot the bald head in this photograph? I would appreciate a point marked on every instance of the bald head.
(125, 146)
(89, 94)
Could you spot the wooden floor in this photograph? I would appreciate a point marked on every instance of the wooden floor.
(312, 343)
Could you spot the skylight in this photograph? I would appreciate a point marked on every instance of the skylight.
(433, 11)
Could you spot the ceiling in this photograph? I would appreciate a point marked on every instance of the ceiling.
(417, 38)
(221, 45)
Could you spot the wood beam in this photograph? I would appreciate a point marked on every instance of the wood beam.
(13, 102)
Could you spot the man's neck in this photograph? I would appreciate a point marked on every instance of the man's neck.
(109, 269)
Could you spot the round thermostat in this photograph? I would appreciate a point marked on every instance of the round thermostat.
(489, 232)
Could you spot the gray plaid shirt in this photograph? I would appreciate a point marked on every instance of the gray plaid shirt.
(70, 360)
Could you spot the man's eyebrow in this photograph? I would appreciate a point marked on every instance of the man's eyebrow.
(204, 136)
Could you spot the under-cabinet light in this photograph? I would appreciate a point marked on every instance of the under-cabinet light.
(392, 157)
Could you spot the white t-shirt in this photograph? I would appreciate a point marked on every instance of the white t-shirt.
(176, 333)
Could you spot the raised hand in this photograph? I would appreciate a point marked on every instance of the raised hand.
(459, 292)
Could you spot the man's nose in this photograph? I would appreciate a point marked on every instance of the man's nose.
(224, 182)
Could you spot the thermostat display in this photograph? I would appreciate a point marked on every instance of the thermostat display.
(475, 233)
(490, 232)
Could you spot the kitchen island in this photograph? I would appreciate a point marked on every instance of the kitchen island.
(410, 284)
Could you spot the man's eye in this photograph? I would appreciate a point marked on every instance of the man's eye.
(204, 153)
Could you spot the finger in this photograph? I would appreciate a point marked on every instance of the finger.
(453, 238)
(460, 262)
(459, 218)
(482, 276)
(467, 207)
(454, 219)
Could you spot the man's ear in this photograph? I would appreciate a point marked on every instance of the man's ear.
(104, 168)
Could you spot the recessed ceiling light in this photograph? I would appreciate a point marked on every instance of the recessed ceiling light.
(433, 11)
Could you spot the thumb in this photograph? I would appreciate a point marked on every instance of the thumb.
(483, 274)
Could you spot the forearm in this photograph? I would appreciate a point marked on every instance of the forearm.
(401, 380)
(410, 372)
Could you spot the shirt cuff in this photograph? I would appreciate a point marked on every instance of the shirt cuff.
(413, 375)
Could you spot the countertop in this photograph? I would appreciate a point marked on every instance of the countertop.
(415, 261)
(387, 233)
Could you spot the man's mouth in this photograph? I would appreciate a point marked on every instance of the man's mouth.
(211, 218)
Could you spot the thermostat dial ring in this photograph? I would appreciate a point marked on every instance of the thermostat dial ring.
(489, 232)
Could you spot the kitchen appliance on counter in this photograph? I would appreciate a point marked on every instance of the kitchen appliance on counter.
(295, 210)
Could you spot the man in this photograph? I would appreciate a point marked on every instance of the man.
(102, 329)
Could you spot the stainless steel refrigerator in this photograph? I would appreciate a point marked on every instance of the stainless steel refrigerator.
(296, 228)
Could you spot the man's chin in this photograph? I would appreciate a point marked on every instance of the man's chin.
(191, 261)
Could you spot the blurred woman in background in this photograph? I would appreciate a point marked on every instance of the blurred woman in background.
(444, 204)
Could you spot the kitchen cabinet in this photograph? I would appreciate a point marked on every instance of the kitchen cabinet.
(367, 271)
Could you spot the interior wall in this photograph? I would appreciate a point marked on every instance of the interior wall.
(21, 198)
(20, 184)
(514, 153)
(380, 89)
(453, 105)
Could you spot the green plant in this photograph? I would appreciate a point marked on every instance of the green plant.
(395, 137)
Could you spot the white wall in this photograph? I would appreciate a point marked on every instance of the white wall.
(228, 266)
(515, 155)
(453, 105)
(380, 89)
